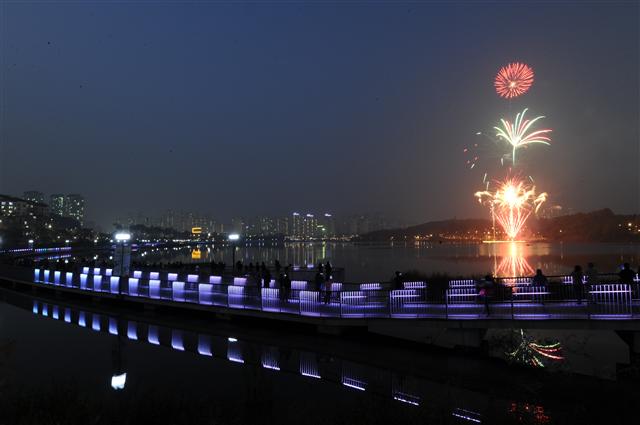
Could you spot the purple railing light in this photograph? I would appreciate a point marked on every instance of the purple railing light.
(153, 335)
(407, 302)
(154, 275)
(56, 277)
(95, 322)
(97, 283)
(240, 281)
(176, 340)
(271, 299)
(96, 270)
(67, 315)
(137, 274)
(406, 398)
(133, 286)
(82, 321)
(45, 310)
(300, 285)
(370, 286)
(108, 272)
(612, 299)
(56, 313)
(354, 383)
(215, 280)
(36, 275)
(204, 345)
(35, 307)
(414, 285)
(132, 330)
(192, 278)
(85, 270)
(154, 289)
(114, 284)
(461, 295)
(177, 289)
(310, 303)
(205, 293)
(234, 351)
(462, 283)
(270, 359)
(69, 279)
(46, 276)
(466, 415)
(113, 326)
(309, 365)
(83, 281)
(236, 296)
(172, 276)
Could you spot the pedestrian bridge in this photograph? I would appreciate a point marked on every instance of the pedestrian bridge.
(517, 300)
(455, 316)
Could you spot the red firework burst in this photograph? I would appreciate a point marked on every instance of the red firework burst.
(513, 80)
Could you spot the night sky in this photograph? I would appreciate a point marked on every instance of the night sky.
(267, 108)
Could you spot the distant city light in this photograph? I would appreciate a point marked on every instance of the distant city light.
(234, 237)
(122, 236)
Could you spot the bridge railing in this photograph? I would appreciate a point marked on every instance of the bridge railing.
(554, 301)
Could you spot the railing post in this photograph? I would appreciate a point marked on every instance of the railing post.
(446, 303)
(511, 297)
(588, 299)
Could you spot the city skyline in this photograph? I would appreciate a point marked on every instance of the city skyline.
(180, 119)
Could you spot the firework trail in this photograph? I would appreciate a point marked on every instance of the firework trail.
(532, 353)
(517, 133)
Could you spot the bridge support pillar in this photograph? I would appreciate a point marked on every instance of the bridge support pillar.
(330, 330)
(632, 339)
(635, 342)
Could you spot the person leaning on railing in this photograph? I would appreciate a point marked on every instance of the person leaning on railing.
(626, 276)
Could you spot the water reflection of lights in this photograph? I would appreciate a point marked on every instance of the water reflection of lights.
(118, 381)
(362, 378)
(513, 262)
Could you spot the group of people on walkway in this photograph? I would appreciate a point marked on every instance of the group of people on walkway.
(580, 282)
(323, 280)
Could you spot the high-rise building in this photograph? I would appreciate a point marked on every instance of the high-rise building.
(56, 204)
(74, 207)
(71, 205)
(296, 229)
(34, 196)
(328, 224)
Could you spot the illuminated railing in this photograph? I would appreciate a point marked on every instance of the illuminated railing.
(463, 300)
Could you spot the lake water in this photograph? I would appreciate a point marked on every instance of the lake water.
(375, 262)
(61, 362)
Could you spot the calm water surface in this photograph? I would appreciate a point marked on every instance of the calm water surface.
(374, 262)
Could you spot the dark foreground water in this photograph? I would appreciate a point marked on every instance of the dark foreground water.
(59, 357)
(376, 262)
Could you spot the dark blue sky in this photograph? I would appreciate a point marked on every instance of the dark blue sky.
(266, 108)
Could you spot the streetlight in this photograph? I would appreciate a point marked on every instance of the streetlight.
(233, 238)
(121, 270)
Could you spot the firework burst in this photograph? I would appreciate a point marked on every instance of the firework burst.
(517, 133)
(512, 204)
(513, 80)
